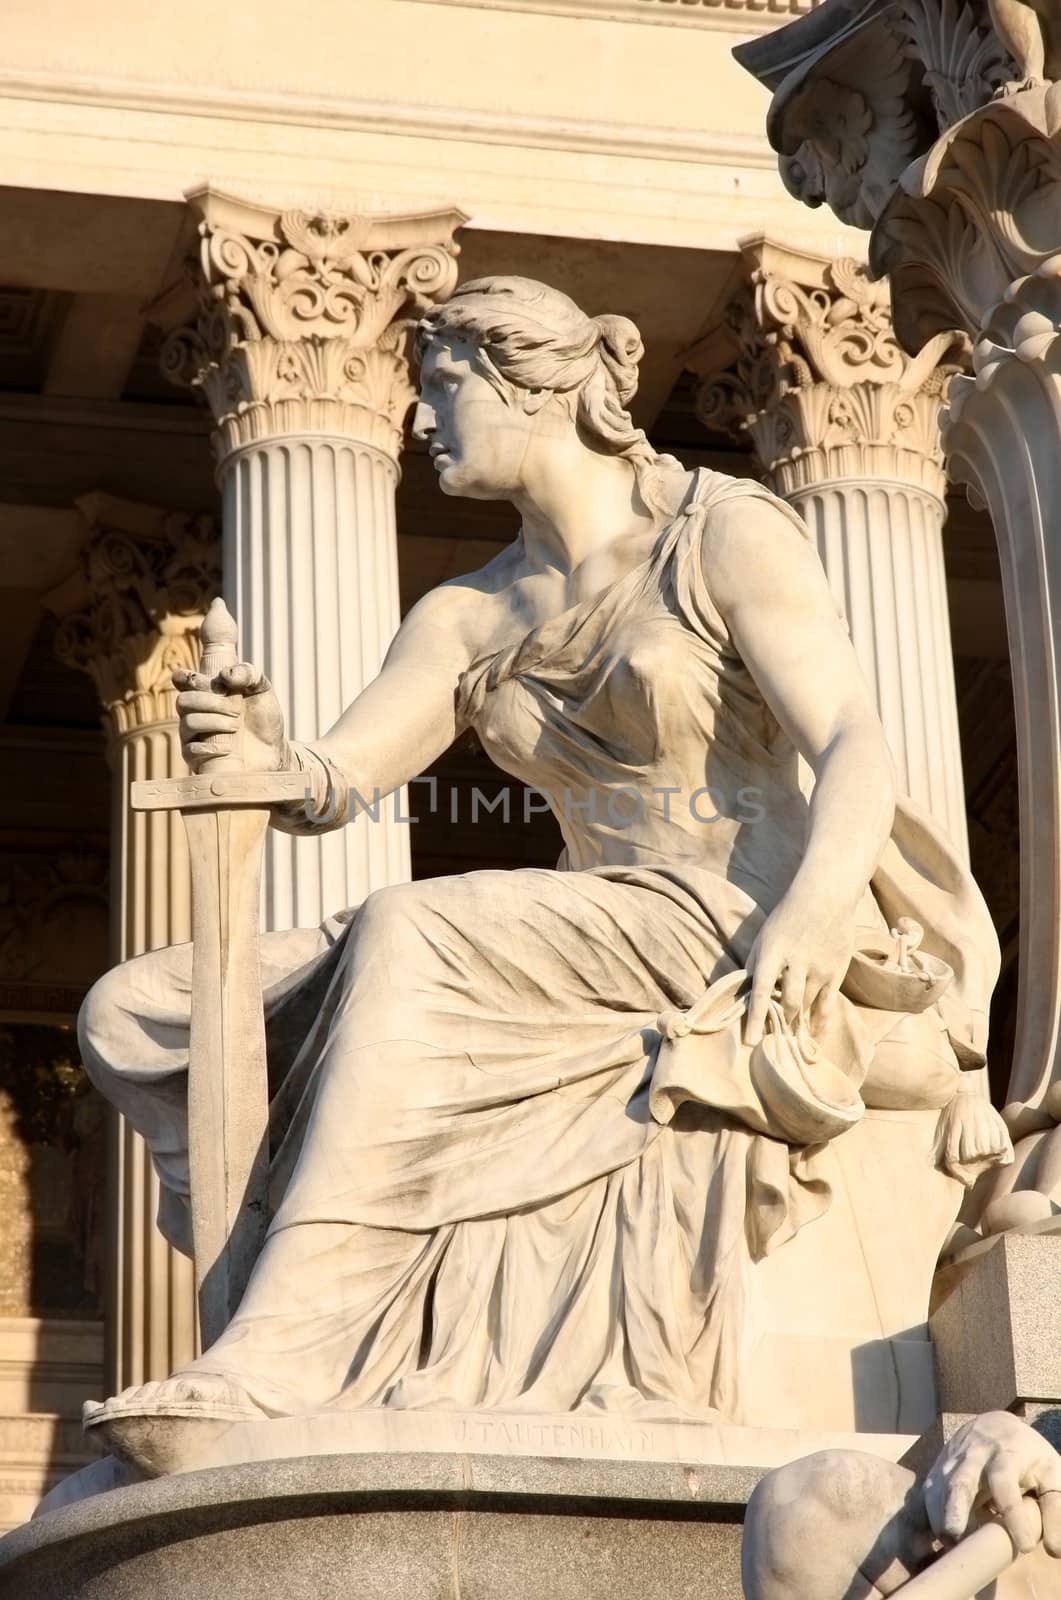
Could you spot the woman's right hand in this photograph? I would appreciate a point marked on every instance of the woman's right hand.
(234, 714)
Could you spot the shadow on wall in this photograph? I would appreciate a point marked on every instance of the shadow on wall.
(902, 1369)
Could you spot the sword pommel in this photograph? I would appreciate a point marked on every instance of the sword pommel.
(219, 636)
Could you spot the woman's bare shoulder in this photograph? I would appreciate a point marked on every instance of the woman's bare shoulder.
(468, 604)
(751, 544)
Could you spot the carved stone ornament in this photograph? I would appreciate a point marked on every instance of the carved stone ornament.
(298, 322)
(818, 379)
(132, 613)
(863, 88)
(982, 210)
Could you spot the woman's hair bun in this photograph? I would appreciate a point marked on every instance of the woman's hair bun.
(622, 349)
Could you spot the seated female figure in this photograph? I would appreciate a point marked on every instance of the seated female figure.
(518, 1159)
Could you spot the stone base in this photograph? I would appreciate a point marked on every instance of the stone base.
(584, 1435)
(429, 1527)
(996, 1325)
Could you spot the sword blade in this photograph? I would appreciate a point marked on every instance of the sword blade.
(228, 1092)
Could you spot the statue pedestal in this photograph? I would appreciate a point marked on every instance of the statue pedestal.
(996, 1327)
(418, 1523)
(425, 1504)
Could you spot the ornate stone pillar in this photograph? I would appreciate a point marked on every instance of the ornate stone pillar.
(130, 616)
(846, 428)
(919, 124)
(298, 339)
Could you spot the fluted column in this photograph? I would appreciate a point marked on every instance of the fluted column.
(131, 615)
(846, 428)
(317, 602)
(298, 339)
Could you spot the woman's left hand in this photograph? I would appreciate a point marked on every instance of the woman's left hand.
(804, 951)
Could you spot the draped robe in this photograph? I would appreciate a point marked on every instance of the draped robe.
(496, 1182)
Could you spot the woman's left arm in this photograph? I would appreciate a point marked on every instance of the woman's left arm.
(768, 583)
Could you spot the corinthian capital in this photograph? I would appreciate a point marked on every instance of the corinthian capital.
(295, 322)
(132, 612)
(805, 360)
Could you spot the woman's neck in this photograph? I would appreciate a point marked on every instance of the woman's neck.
(576, 502)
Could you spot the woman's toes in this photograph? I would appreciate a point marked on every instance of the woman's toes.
(162, 1427)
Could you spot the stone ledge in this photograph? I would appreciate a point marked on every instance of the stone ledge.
(417, 1525)
(574, 1439)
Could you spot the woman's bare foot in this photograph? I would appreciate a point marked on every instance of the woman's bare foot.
(164, 1427)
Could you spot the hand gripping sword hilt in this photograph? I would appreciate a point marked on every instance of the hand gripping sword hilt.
(219, 637)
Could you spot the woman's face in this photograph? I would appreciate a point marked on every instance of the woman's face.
(476, 438)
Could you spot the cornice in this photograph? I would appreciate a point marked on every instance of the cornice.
(736, 16)
(455, 124)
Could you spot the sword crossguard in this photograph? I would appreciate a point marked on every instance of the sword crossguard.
(218, 790)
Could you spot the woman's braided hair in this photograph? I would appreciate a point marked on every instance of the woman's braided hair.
(529, 336)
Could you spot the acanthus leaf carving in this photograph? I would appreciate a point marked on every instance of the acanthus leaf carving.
(963, 64)
(302, 319)
(983, 210)
(144, 596)
(821, 385)
(856, 107)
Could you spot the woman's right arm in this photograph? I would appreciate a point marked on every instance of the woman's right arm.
(407, 716)
(401, 722)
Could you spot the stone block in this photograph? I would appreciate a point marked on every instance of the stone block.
(998, 1332)
(385, 1527)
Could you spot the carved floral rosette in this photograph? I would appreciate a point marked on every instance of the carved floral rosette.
(302, 321)
(822, 387)
(146, 598)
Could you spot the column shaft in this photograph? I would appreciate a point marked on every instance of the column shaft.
(846, 427)
(131, 614)
(296, 328)
(151, 1325)
(311, 571)
(882, 548)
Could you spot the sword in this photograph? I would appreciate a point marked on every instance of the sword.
(226, 815)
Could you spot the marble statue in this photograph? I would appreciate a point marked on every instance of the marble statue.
(531, 1131)
(842, 1525)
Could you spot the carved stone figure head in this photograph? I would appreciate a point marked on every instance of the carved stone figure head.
(507, 363)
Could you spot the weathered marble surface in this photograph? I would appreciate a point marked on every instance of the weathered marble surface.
(624, 1137)
(841, 1523)
(454, 1527)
